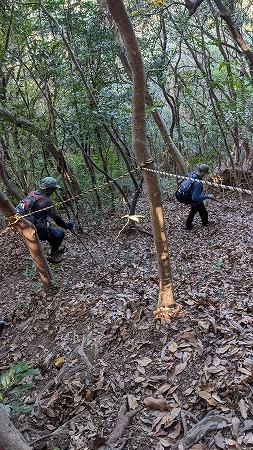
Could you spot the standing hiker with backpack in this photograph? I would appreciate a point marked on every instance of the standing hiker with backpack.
(41, 202)
(190, 192)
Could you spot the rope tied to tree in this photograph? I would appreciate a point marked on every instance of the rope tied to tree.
(15, 218)
(208, 183)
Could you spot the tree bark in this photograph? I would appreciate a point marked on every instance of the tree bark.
(139, 142)
(10, 437)
(170, 145)
(28, 231)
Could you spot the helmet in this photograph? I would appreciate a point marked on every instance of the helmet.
(48, 182)
(204, 168)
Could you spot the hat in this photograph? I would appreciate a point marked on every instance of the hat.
(204, 168)
(48, 182)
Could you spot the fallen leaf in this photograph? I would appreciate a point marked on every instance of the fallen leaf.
(98, 442)
(139, 379)
(164, 388)
(243, 408)
(132, 402)
(144, 361)
(156, 403)
(59, 361)
(235, 426)
(172, 347)
(220, 441)
(179, 368)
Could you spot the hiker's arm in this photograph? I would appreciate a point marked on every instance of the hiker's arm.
(197, 193)
(53, 213)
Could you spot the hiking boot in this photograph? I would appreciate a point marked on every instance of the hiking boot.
(59, 251)
(54, 259)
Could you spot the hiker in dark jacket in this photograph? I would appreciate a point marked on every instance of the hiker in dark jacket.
(45, 231)
(197, 202)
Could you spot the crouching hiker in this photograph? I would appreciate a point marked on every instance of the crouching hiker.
(197, 198)
(41, 202)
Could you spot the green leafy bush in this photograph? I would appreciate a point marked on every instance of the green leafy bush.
(12, 387)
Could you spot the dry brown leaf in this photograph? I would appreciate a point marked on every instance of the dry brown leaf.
(176, 432)
(220, 441)
(141, 369)
(245, 371)
(98, 442)
(235, 426)
(132, 402)
(156, 403)
(78, 410)
(144, 361)
(172, 347)
(50, 427)
(243, 408)
(213, 369)
(164, 388)
(78, 398)
(174, 413)
(139, 379)
(198, 447)
(89, 395)
(48, 411)
(179, 368)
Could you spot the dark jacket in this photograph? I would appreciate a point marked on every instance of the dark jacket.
(42, 217)
(197, 190)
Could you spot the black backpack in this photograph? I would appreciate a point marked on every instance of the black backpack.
(184, 191)
(26, 206)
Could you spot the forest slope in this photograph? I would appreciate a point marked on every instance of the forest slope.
(100, 323)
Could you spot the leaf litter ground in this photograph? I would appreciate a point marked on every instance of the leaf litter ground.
(188, 381)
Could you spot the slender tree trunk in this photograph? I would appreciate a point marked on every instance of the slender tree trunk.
(139, 141)
(170, 145)
(10, 437)
(28, 231)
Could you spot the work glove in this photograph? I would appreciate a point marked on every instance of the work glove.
(70, 226)
(211, 196)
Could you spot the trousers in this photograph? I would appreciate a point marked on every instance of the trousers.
(54, 236)
(201, 209)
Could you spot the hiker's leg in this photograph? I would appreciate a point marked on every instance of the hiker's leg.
(190, 217)
(56, 237)
(43, 234)
(203, 214)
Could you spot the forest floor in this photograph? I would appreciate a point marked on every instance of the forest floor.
(180, 384)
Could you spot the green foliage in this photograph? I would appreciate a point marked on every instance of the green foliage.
(194, 65)
(11, 388)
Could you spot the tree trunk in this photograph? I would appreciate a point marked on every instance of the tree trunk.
(170, 145)
(139, 141)
(28, 231)
(10, 437)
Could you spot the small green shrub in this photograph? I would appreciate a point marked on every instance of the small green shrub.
(11, 387)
